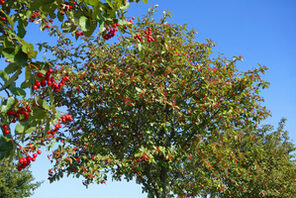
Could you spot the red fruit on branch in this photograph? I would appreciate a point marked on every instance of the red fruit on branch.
(5, 126)
(6, 131)
(39, 74)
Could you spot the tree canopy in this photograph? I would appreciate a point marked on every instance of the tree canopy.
(159, 107)
(156, 106)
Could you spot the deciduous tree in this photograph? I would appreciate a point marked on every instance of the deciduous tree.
(155, 106)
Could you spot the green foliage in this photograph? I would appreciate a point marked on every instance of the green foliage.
(15, 184)
(75, 16)
(157, 107)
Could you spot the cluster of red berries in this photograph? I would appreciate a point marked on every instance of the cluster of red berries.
(113, 29)
(148, 33)
(34, 16)
(79, 33)
(143, 157)
(47, 80)
(5, 128)
(22, 114)
(111, 32)
(65, 118)
(64, 7)
(2, 1)
(26, 161)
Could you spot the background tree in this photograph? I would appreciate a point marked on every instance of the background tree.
(153, 107)
(265, 165)
(15, 184)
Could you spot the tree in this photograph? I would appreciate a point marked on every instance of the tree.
(77, 17)
(265, 165)
(155, 106)
(15, 184)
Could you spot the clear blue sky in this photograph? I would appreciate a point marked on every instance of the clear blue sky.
(262, 31)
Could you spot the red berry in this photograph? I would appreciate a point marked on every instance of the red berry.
(34, 155)
(35, 87)
(133, 18)
(29, 158)
(21, 160)
(6, 131)
(77, 33)
(34, 159)
(3, 18)
(50, 70)
(107, 28)
(43, 83)
(62, 13)
(38, 152)
(38, 83)
(5, 126)
(40, 75)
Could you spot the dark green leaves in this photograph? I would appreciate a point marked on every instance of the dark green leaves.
(6, 147)
(21, 28)
(12, 67)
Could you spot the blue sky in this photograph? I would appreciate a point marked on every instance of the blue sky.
(262, 31)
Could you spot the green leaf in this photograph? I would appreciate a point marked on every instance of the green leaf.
(12, 67)
(43, 104)
(39, 114)
(84, 23)
(27, 74)
(4, 75)
(19, 128)
(29, 130)
(28, 49)
(6, 147)
(21, 29)
(11, 80)
(17, 91)
(125, 5)
(91, 2)
(21, 58)
(8, 104)
(10, 53)
(102, 27)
